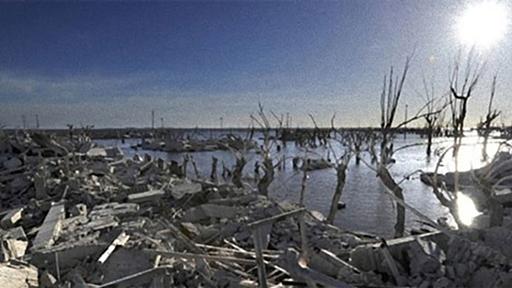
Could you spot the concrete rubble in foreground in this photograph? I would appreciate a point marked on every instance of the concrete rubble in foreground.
(76, 215)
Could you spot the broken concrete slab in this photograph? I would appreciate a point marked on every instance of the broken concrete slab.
(504, 196)
(145, 197)
(369, 257)
(114, 209)
(78, 210)
(47, 280)
(207, 211)
(113, 152)
(96, 152)
(51, 227)
(12, 249)
(17, 274)
(11, 218)
(185, 188)
(12, 163)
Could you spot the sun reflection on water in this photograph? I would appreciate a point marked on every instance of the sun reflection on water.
(466, 209)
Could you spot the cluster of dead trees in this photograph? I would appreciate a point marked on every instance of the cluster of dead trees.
(373, 148)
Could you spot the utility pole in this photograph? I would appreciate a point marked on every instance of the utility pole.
(37, 121)
(405, 120)
(162, 122)
(153, 119)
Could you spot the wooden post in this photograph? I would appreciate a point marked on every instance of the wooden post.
(303, 238)
(258, 246)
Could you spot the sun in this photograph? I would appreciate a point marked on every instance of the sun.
(482, 24)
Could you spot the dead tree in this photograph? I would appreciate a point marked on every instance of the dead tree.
(239, 146)
(460, 93)
(239, 167)
(265, 150)
(341, 175)
(390, 96)
(431, 119)
(484, 127)
(213, 174)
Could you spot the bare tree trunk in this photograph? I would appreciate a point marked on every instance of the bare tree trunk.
(237, 172)
(268, 176)
(390, 183)
(213, 174)
(196, 171)
(485, 156)
(303, 182)
(341, 177)
(185, 165)
(430, 131)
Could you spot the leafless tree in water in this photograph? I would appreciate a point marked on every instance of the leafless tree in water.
(485, 126)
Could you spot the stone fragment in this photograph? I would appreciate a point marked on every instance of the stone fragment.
(11, 218)
(114, 209)
(50, 229)
(149, 196)
(12, 163)
(16, 274)
(47, 280)
(443, 282)
(182, 189)
(207, 211)
(12, 249)
(78, 210)
(113, 152)
(97, 152)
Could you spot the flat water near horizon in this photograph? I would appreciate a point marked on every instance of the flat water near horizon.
(368, 207)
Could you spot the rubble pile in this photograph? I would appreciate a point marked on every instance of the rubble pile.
(76, 215)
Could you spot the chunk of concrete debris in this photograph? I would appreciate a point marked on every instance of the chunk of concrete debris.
(47, 280)
(50, 229)
(114, 209)
(185, 188)
(114, 152)
(14, 233)
(16, 274)
(369, 257)
(97, 152)
(425, 257)
(11, 218)
(12, 249)
(12, 163)
(126, 262)
(207, 211)
(504, 196)
(78, 210)
(148, 196)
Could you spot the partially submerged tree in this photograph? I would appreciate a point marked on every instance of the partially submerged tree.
(389, 99)
(265, 150)
(484, 127)
(390, 96)
(341, 167)
(432, 119)
(461, 89)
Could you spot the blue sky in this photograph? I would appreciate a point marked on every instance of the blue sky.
(110, 64)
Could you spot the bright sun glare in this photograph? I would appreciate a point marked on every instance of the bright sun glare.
(466, 209)
(483, 24)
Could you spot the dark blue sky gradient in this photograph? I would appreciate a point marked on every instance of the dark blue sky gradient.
(110, 64)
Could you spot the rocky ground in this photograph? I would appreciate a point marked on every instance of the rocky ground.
(76, 215)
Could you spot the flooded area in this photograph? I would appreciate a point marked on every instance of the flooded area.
(368, 208)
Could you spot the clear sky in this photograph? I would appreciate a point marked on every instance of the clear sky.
(110, 64)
